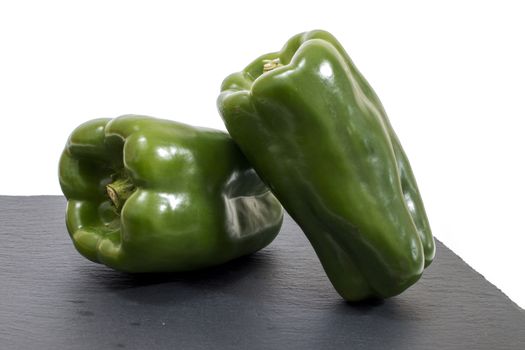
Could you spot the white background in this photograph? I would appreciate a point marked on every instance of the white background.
(451, 76)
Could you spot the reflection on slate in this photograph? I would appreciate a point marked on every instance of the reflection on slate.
(278, 298)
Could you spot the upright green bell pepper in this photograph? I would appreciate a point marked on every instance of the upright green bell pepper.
(317, 134)
(152, 195)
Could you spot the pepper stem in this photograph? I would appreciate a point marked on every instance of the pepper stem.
(271, 64)
(119, 191)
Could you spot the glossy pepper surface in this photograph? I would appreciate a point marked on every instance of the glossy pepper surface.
(317, 134)
(152, 195)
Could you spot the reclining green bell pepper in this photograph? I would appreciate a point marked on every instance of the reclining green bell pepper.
(152, 195)
(317, 134)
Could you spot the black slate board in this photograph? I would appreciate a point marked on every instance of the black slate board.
(278, 298)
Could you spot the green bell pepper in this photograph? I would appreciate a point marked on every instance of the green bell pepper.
(152, 195)
(317, 134)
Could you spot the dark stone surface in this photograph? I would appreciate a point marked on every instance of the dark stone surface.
(278, 298)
